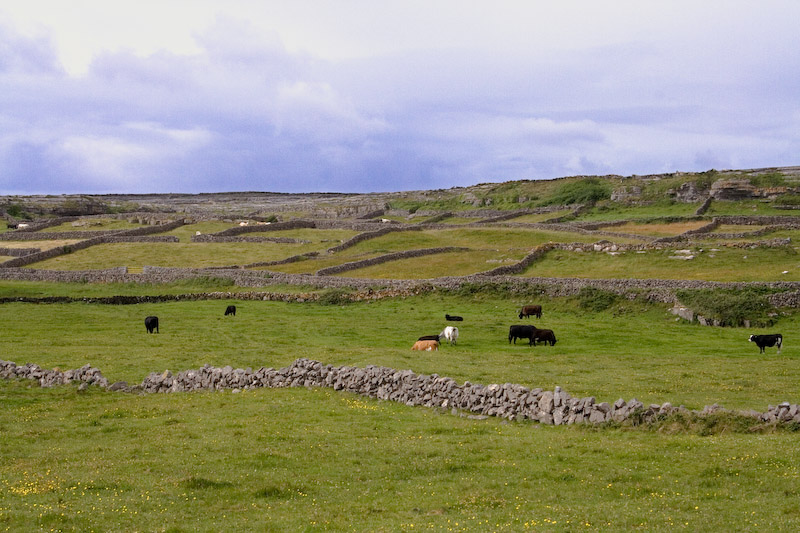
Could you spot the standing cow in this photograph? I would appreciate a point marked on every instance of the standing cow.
(151, 323)
(531, 310)
(763, 341)
(231, 310)
(450, 333)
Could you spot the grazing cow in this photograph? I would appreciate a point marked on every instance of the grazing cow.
(231, 310)
(426, 346)
(544, 335)
(151, 323)
(521, 332)
(450, 333)
(429, 338)
(763, 341)
(453, 318)
(531, 310)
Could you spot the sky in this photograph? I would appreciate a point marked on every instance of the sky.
(188, 96)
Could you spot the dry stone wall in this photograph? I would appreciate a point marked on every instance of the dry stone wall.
(355, 265)
(509, 401)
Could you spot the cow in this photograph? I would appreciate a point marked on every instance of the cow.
(231, 310)
(151, 323)
(450, 333)
(531, 310)
(426, 346)
(429, 338)
(521, 332)
(544, 335)
(453, 318)
(762, 341)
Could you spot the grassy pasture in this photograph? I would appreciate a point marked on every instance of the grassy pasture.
(744, 207)
(42, 245)
(175, 255)
(540, 217)
(604, 211)
(439, 265)
(597, 353)
(658, 230)
(105, 224)
(489, 248)
(297, 459)
(712, 264)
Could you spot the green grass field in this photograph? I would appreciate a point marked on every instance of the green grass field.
(301, 459)
(297, 459)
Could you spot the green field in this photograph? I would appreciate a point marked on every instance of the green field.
(710, 264)
(298, 459)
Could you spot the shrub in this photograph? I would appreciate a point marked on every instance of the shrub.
(788, 199)
(730, 307)
(594, 299)
(335, 297)
(585, 191)
(771, 179)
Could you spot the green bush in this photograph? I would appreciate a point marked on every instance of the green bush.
(772, 179)
(788, 199)
(585, 191)
(594, 299)
(730, 307)
(335, 297)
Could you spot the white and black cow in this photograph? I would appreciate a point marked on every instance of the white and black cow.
(762, 341)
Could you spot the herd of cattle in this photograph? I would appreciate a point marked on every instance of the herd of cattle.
(532, 333)
(519, 331)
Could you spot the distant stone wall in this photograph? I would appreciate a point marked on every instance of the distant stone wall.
(206, 237)
(508, 401)
(19, 252)
(370, 235)
(55, 235)
(355, 265)
(275, 226)
(509, 270)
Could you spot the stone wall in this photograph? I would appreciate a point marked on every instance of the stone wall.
(355, 265)
(509, 401)
(370, 235)
(19, 252)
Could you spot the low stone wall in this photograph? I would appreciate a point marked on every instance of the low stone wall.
(51, 253)
(509, 270)
(355, 265)
(207, 237)
(19, 252)
(56, 235)
(509, 401)
(142, 238)
(370, 235)
(276, 226)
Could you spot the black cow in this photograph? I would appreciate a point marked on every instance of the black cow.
(521, 332)
(531, 310)
(429, 338)
(453, 318)
(763, 341)
(151, 323)
(544, 335)
(231, 310)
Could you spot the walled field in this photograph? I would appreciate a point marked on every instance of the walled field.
(710, 264)
(292, 459)
(298, 459)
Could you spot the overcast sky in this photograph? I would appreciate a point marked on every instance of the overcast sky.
(364, 95)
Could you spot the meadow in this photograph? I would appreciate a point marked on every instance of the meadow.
(297, 459)
(300, 459)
